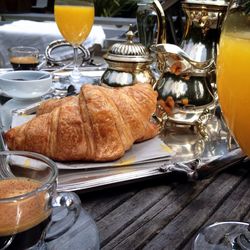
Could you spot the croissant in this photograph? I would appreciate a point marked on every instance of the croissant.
(99, 124)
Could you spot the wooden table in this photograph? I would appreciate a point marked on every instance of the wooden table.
(166, 214)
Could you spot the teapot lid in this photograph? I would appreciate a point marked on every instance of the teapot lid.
(128, 51)
(208, 2)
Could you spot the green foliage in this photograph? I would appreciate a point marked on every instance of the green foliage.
(115, 8)
(246, 6)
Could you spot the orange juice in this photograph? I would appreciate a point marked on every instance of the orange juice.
(233, 69)
(74, 22)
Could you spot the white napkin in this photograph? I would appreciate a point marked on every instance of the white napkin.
(31, 27)
(148, 151)
(39, 35)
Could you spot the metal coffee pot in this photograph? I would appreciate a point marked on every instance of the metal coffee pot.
(186, 86)
(183, 86)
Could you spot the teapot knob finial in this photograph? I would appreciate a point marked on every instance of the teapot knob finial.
(130, 34)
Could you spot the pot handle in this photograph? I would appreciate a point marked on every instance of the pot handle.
(70, 207)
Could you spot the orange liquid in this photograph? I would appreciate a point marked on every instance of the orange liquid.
(74, 22)
(234, 84)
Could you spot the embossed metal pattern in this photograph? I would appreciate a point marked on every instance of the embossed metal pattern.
(205, 14)
(128, 51)
(208, 2)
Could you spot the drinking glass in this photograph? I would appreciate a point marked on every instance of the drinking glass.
(233, 91)
(24, 57)
(74, 19)
(27, 198)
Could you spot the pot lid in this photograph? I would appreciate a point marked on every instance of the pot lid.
(208, 2)
(128, 51)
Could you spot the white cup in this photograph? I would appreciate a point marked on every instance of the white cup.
(26, 84)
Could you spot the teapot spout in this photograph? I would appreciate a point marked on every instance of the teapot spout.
(167, 52)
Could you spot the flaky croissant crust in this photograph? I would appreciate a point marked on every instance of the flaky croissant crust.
(99, 124)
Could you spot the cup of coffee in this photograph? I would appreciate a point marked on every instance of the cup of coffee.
(24, 58)
(27, 198)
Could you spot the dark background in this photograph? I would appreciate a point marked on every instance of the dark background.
(18, 6)
(112, 8)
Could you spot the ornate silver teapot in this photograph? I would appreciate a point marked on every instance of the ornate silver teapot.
(128, 63)
(184, 89)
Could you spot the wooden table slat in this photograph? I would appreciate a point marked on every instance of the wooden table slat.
(118, 219)
(99, 205)
(157, 217)
(235, 207)
(178, 231)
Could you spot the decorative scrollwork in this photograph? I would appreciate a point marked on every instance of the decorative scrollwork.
(204, 19)
(85, 54)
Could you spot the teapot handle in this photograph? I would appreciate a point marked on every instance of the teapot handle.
(161, 22)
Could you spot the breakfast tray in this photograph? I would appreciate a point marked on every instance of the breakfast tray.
(190, 155)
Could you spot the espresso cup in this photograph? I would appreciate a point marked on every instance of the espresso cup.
(28, 196)
(24, 58)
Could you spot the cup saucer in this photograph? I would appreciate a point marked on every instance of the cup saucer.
(82, 235)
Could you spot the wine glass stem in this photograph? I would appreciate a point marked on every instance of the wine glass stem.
(75, 75)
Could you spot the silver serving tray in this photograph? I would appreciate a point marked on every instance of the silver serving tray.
(196, 157)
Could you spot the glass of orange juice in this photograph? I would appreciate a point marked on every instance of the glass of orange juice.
(233, 83)
(74, 19)
(233, 66)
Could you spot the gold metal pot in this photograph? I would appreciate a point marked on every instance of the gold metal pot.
(128, 63)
